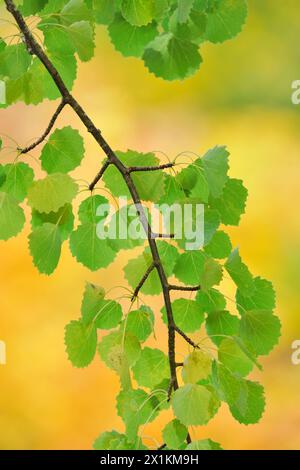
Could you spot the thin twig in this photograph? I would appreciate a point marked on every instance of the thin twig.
(131, 169)
(184, 288)
(99, 175)
(187, 338)
(48, 130)
(142, 282)
(163, 235)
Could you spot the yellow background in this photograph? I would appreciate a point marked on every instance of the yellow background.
(241, 97)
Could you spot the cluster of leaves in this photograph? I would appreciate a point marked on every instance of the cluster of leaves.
(166, 34)
(239, 339)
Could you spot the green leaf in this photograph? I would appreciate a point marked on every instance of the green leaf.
(33, 86)
(196, 366)
(63, 152)
(31, 7)
(91, 301)
(205, 444)
(215, 165)
(51, 193)
(136, 268)
(45, 247)
(225, 19)
(173, 191)
(82, 36)
(138, 12)
(81, 342)
(231, 205)
(14, 61)
(151, 368)
(115, 441)
(87, 212)
(193, 29)
(63, 219)
(128, 39)
(219, 246)
(184, 10)
(190, 267)
(187, 315)
(18, 178)
(210, 301)
(108, 315)
(192, 179)
(211, 275)
(135, 408)
(12, 218)
(56, 37)
(194, 404)
(67, 67)
(211, 224)
(239, 273)
(232, 356)
(171, 58)
(220, 324)
(75, 10)
(140, 323)
(161, 8)
(260, 329)
(201, 189)
(104, 11)
(116, 349)
(125, 230)
(245, 398)
(174, 434)
(88, 249)
(261, 298)
(149, 184)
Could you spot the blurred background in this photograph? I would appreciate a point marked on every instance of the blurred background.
(241, 97)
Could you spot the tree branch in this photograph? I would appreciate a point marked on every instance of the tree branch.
(131, 169)
(99, 175)
(187, 338)
(142, 281)
(184, 288)
(48, 130)
(163, 235)
(179, 364)
(36, 49)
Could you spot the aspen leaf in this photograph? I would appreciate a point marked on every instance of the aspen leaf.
(12, 217)
(194, 404)
(51, 193)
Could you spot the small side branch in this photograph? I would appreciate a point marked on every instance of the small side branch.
(131, 169)
(184, 288)
(187, 338)
(179, 364)
(99, 175)
(142, 281)
(163, 235)
(48, 130)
